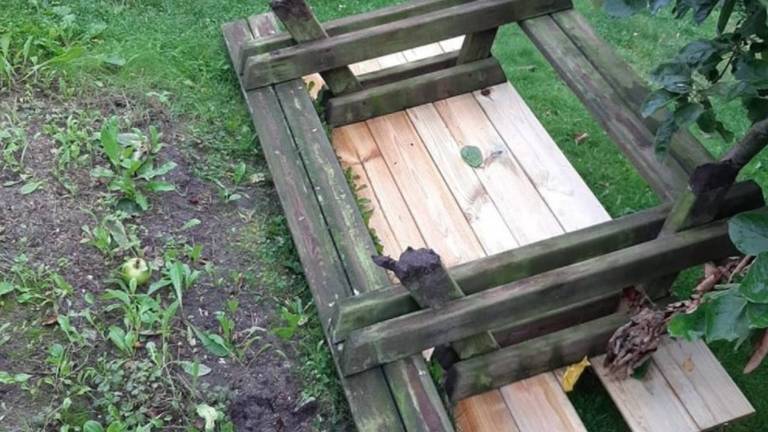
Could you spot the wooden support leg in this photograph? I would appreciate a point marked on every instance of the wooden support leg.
(422, 272)
(300, 21)
(477, 46)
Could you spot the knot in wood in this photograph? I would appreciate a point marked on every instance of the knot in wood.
(291, 8)
(712, 176)
(413, 263)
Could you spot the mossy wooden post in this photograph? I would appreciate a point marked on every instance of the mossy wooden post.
(422, 272)
(700, 202)
(477, 46)
(298, 19)
(524, 301)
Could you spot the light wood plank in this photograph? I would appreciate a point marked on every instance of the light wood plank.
(525, 211)
(647, 404)
(479, 210)
(484, 412)
(437, 214)
(554, 409)
(564, 191)
(393, 206)
(345, 149)
(539, 404)
(699, 380)
(452, 44)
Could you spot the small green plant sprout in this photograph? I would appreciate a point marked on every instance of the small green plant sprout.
(294, 316)
(14, 378)
(111, 237)
(228, 194)
(13, 145)
(132, 172)
(38, 286)
(178, 275)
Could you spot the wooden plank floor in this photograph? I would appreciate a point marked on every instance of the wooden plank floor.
(423, 194)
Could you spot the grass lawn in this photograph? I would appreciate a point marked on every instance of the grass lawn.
(229, 294)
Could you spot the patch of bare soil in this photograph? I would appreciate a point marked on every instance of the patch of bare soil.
(262, 388)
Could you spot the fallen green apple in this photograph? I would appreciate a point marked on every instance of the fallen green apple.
(135, 269)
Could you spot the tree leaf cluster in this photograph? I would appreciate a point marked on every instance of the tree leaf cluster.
(706, 73)
(733, 311)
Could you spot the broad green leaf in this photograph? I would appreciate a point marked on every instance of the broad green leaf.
(657, 5)
(19, 378)
(154, 286)
(116, 426)
(697, 52)
(6, 288)
(664, 134)
(141, 201)
(109, 143)
(118, 337)
(623, 8)
(674, 77)
(190, 224)
(176, 273)
(754, 287)
(117, 231)
(749, 231)
(122, 296)
(212, 342)
(758, 315)
(726, 317)
(688, 326)
(160, 186)
(725, 15)
(656, 101)
(472, 156)
(195, 369)
(757, 108)
(92, 426)
(31, 187)
(687, 113)
(210, 415)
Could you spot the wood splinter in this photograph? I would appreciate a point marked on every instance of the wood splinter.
(422, 272)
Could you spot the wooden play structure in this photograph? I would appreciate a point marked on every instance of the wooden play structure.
(531, 268)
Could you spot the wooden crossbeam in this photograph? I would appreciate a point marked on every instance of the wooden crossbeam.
(300, 21)
(475, 276)
(408, 70)
(628, 84)
(348, 24)
(522, 301)
(411, 92)
(532, 357)
(348, 48)
(665, 175)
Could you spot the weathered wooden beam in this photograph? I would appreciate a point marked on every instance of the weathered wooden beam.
(370, 401)
(366, 309)
(348, 48)
(347, 24)
(666, 176)
(408, 70)
(507, 365)
(522, 301)
(477, 46)
(418, 401)
(422, 272)
(300, 21)
(399, 396)
(628, 84)
(397, 96)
